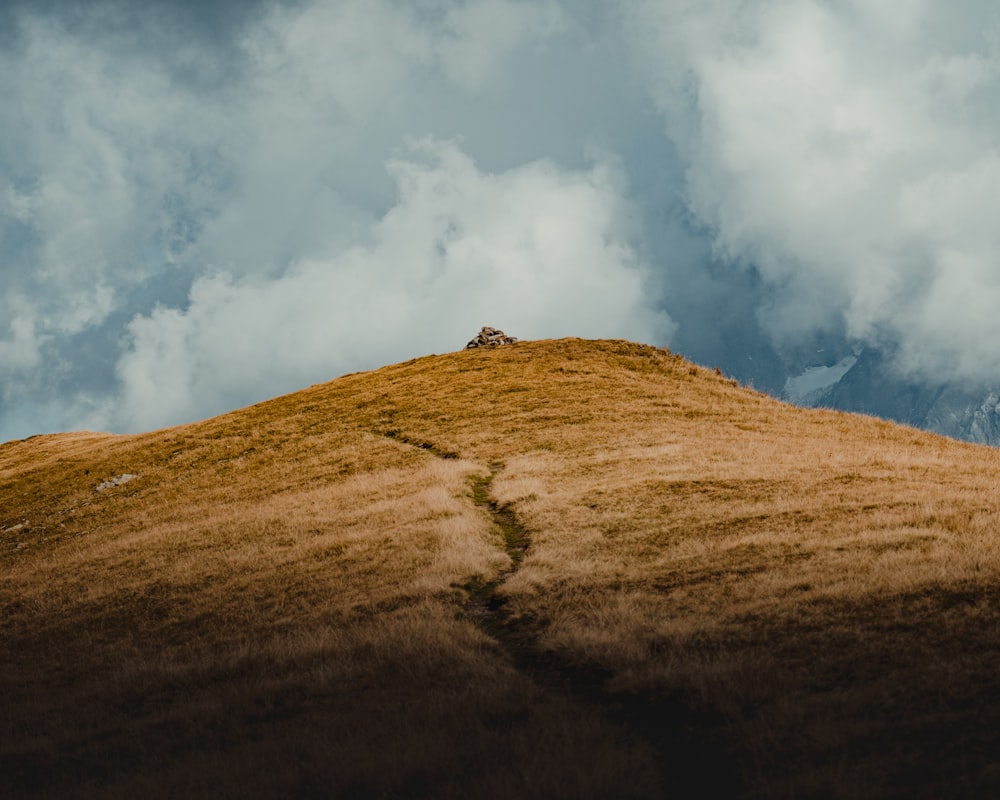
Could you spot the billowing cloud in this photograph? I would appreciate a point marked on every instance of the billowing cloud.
(99, 170)
(541, 250)
(847, 151)
(188, 185)
(171, 176)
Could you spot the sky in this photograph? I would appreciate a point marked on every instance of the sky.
(207, 204)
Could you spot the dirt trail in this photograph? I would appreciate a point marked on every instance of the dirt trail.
(688, 745)
(486, 604)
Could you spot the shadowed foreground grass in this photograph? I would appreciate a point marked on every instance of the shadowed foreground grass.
(578, 569)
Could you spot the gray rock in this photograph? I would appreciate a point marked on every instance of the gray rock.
(123, 478)
(490, 337)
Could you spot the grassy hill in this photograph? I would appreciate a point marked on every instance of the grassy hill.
(557, 569)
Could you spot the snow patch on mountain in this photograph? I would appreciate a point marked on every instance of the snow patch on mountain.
(809, 387)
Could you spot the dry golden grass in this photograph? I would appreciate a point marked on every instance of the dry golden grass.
(313, 597)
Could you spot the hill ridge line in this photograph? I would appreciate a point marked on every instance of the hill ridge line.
(310, 597)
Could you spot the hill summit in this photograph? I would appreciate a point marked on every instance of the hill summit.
(562, 569)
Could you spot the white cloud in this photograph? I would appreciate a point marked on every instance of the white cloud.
(848, 152)
(331, 89)
(538, 250)
(140, 158)
(19, 350)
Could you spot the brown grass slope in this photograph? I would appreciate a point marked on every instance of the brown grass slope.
(558, 569)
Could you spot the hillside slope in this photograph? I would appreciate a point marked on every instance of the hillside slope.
(560, 568)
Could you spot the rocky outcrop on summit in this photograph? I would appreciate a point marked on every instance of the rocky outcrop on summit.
(490, 337)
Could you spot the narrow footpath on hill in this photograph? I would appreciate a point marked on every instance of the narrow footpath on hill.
(689, 742)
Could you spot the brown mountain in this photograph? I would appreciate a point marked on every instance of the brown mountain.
(554, 569)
